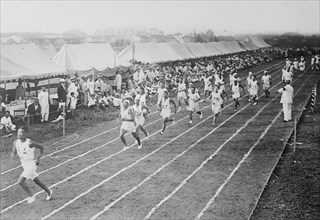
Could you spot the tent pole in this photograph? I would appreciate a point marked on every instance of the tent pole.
(25, 98)
(49, 85)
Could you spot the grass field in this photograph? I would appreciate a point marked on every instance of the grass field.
(191, 172)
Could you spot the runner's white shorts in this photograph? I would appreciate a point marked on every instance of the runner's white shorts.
(236, 95)
(128, 126)
(29, 170)
(165, 113)
(216, 108)
(253, 92)
(265, 86)
(194, 107)
(182, 95)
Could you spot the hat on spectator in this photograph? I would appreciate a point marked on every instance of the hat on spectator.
(62, 80)
(250, 73)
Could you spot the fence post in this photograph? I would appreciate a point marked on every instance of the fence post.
(64, 119)
(295, 136)
(28, 122)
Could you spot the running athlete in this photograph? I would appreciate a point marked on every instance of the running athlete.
(254, 89)
(161, 90)
(128, 124)
(25, 148)
(139, 118)
(235, 88)
(194, 99)
(181, 93)
(266, 83)
(164, 106)
(248, 82)
(216, 100)
(207, 86)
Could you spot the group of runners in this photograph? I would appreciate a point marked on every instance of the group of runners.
(134, 110)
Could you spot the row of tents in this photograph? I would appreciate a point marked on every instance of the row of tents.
(32, 61)
(166, 52)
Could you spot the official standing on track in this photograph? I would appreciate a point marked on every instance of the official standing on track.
(287, 100)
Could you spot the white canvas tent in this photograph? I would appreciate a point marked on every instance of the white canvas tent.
(26, 61)
(87, 56)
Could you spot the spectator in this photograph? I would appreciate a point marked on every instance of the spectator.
(73, 103)
(90, 86)
(20, 91)
(118, 81)
(62, 93)
(84, 92)
(34, 112)
(6, 123)
(98, 82)
(44, 103)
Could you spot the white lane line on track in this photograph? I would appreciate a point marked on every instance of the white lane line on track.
(49, 155)
(241, 162)
(181, 154)
(131, 165)
(87, 152)
(87, 168)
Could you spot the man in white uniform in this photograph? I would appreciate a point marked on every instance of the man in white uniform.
(118, 82)
(25, 148)
(44, 104)
(287, 100)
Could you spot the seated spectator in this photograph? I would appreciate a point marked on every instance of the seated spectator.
(34, 112)
(92, 101)
(6, 123)
(73, 103)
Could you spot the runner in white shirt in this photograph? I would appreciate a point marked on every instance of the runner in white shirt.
(254, 89)
(128, 123)
(216, 100)
(235, 88)
(266, 83)
(164, 107)
(160, 91)
(25, 148)
(194, 99)
(181, 93)
(248, 82)
(139, 118)
(207, 86)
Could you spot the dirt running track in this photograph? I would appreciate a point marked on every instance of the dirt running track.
(191, 172)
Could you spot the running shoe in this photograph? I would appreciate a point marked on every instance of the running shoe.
(201, 115)
(179, 109)
(148, 136)
(140, 146)
(161, 132)
(190, 122)
(254, 103)
(173, 122)
(49, 195)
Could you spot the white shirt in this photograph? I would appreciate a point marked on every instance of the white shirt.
(193, 98)
(287, 94)
(118, 81)
(24, 151)
(90, 85)
(266, 79)
(43, 99)
(6, 121)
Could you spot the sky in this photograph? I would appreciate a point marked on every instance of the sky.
(224, 17)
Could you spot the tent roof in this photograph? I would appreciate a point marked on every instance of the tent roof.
(232, 46)
(259, 41)
(48, 50)
(25, 61)
(87, 56)
(249, 45)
